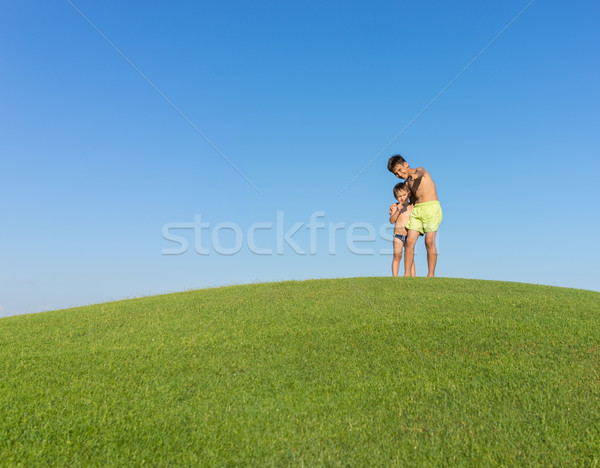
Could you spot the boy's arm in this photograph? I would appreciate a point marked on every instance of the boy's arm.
(394, 213)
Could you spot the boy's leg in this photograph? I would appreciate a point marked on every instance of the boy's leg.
(409, 252)
(398, 245)
(431, 252)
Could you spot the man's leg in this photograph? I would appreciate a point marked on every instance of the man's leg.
(409, 252)
(431, 253)
(398, 245)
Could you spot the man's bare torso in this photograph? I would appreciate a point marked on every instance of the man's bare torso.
(422, 189)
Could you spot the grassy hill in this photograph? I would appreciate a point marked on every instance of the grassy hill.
(327, 372)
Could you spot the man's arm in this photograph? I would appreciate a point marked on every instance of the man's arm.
(419, 172)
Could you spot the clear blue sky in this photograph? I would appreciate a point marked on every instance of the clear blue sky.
(300, 97)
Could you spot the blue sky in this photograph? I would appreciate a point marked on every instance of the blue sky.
(299, 97)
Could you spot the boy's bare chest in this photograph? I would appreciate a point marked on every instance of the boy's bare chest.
(404, 213)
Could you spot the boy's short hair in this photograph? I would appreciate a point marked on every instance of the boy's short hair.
(394, 161)
(399, 187)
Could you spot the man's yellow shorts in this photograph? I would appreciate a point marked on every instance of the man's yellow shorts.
(425, 217)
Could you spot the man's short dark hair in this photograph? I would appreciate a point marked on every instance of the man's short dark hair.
(394, 161)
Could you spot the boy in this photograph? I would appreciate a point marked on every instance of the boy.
(399, 215)
(426, 216)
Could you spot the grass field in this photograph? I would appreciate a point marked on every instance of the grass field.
(363, 371)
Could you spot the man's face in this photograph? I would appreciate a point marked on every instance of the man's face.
(401, 170)
(402, 196)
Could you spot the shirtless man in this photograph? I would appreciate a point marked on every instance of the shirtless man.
(426, 216)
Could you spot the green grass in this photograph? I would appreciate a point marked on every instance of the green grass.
(364, 371)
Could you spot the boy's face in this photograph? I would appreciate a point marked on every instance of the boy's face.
(401, 170)
(402, 196)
